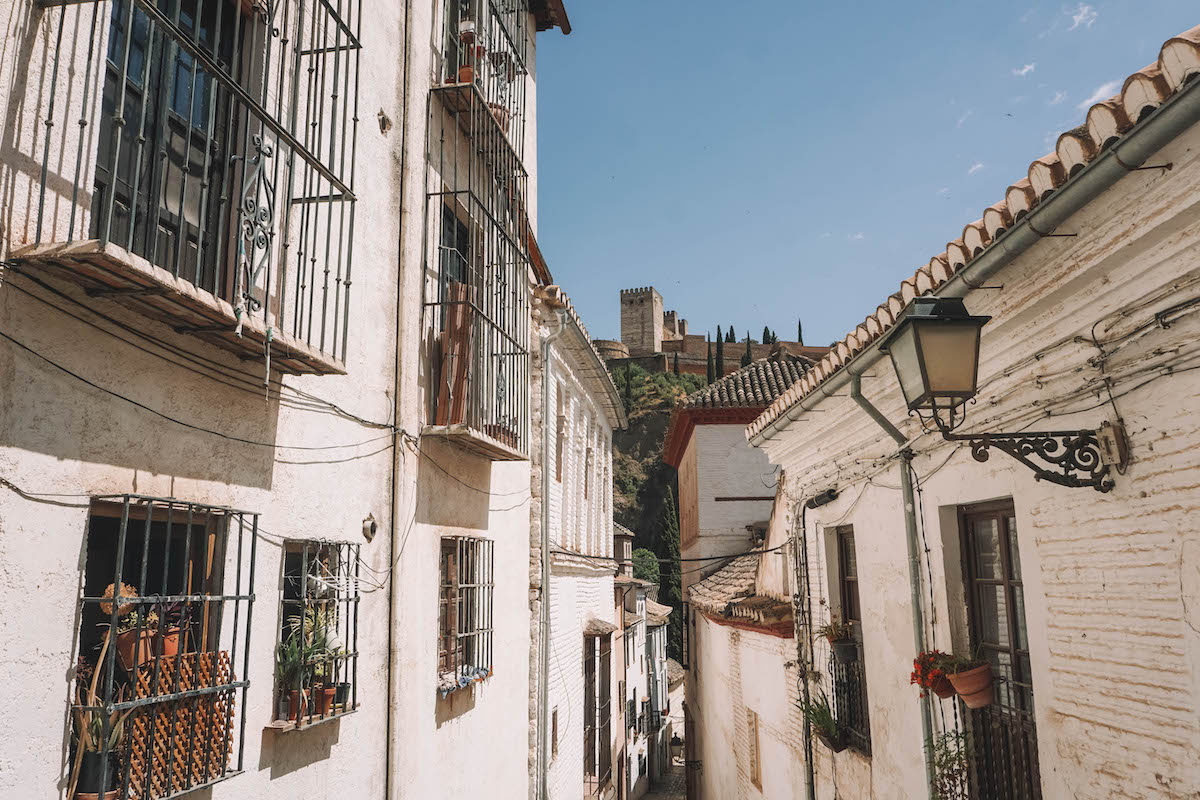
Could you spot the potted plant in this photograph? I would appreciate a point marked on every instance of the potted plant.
(949, 759)
(98, 735)
(824, 724)
(136, 632)
(841, 640)
(971, 677)
(929, 672)
(173, 618)
(290, 671)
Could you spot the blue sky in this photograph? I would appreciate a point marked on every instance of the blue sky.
(762, 161)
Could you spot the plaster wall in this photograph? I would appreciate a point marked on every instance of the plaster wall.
(1112, 581)
(60, 437)
(745, 671)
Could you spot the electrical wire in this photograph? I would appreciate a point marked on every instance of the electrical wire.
(180, 422)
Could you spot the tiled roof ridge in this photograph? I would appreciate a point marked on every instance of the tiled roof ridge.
(1142, 92)
(756, 384)
(555, 294)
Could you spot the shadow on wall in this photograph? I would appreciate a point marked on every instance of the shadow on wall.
(285, 752)
(454, 487)
(454, 705)
(49, 411)
(23, 140)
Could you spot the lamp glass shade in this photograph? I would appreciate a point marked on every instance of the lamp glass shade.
(949, 352)
(907, 362)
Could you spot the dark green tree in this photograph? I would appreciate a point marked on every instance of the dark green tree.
(730, 336)
(748, 356)
(645, 565)
(675, 366)
(720, 364)
(670, 588)
(799, 332)
(710, 374)
(628, 396)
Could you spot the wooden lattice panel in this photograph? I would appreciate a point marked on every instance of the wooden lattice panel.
(180, 743)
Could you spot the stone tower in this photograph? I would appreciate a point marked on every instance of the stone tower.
(641, 320)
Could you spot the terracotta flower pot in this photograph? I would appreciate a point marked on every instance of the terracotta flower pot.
(170, 643)
(501, 114)
(296, 703)
(324, 696)
(974, 686)
(135, 650)
(942, 687)
(466, 74)
(836, 745)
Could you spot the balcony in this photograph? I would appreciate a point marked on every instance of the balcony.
(212, 184)
(478, 257)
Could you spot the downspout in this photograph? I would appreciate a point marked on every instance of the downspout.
(803, 638)
(543, 697)
(914, 558)
(393, 666)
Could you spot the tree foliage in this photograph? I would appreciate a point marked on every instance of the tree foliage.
(710, 372)
(670, 586)
(720, 362)
(748, 356)
(645, 565)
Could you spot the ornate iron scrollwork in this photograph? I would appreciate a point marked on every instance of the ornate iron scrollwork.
(1075, 456)
(257, 218)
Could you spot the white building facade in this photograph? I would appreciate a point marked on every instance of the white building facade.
(222, 365)
(1082, 601)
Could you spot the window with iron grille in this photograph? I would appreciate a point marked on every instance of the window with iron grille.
(164, 621)
(560, 435)
(476, 288)
(597, 711)
(316, 660)
(465, 612)
(849, 677)
(225, 136)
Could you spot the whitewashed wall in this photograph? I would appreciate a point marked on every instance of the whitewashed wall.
(1112, 582)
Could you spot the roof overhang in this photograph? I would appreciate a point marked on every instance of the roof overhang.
(550, 14)
(684, 420)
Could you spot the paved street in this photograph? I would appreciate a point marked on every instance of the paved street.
(672, 786)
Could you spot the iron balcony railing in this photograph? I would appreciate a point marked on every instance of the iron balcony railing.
(218, 144)
(478, 232)
(850, 702)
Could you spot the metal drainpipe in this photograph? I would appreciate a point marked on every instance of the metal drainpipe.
(803, 638)
(393, 666)
(543, 698)
(914, 558)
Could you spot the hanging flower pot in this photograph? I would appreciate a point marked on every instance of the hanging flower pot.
(836, 743)
(845, 651)
(942, 687)
(466, 30)
(974, 685)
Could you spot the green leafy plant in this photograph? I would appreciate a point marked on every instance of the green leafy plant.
(819, 714)
(645, 565)
(961, 662)
(835, 630)
(949, 757)
(146, 621)
(91, 721)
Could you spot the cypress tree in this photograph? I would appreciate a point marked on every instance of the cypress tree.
(720, 364)
(748, 356)
(766, 335)
(676, 366)
(670, 588)
(710, 372)
(730, 336)
(799, 332)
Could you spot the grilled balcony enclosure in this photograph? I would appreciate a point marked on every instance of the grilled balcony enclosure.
(212, 189)
(477, 288)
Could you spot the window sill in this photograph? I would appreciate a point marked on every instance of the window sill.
(289, 725)
(476, 442)
(448, 685)
(107, 271)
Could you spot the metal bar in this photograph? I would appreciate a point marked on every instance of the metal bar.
(83, 113)
(250, 104)
(62, 17)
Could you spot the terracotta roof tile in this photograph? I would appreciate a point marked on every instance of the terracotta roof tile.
(1142, 92)
(756, 384)
(730, 583)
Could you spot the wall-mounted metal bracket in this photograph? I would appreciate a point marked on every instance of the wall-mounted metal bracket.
(1076, 458)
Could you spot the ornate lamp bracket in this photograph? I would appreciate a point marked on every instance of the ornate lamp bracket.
(1071, 458)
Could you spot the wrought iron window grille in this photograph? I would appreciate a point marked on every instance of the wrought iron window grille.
(317, 654)
(465, 620)
(155, 709)
(479, 235)
(850, 706)
(226, 140)
(597, 718)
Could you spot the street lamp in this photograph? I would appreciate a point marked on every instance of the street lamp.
(934, 349)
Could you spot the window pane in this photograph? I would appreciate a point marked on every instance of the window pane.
(849, 557)
(993, 615)
(1014, 553)
(986, 540)
(1019, 617)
